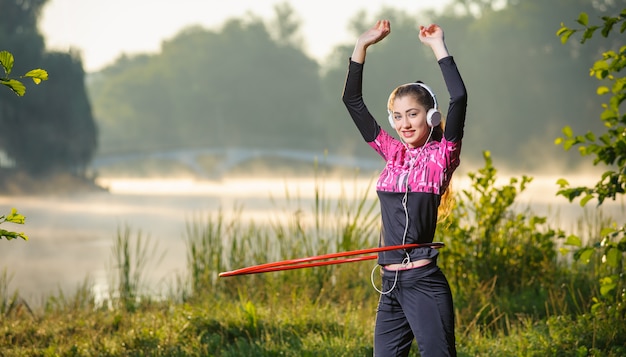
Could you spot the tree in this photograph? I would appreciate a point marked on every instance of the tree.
(286, 26)
(244, 87)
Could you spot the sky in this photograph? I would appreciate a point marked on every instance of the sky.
(102, 30)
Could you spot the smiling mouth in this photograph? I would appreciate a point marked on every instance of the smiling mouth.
(408, 133)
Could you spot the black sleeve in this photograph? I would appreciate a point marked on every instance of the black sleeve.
(455, 119)
(353, 100)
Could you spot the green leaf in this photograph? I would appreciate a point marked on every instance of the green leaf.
(6, 59)
(583, 19)
(607, 287)
(602, 90)
(568, 144)
(608, 26)
(563, 251)
(595, 306)
(15, 85)
(37, 75)
(584, 255)
(585, 199)
(613, 257)
(561, 30)
(566, 35)
(15, 217)
(606, 231)
(562, 182)
(12, 235)
(573, 240)
(587, 35)
(567, 130)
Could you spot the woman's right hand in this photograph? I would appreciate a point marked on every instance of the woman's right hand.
(375, 34)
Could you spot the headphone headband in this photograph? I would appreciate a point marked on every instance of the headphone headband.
(430, 91)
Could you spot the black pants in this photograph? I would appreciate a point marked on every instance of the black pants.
(419, 306)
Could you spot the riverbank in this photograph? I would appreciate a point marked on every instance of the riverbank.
(17, 183)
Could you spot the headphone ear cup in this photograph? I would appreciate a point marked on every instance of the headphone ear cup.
(433, 117)
(391, 121)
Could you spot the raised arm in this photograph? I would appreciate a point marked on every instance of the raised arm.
(433, 37)
(353, 90)
(375, 34)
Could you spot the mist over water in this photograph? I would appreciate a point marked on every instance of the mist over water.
(71, 237)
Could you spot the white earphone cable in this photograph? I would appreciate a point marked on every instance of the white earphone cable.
(406, 259)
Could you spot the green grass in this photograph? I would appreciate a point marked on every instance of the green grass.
(514, 294)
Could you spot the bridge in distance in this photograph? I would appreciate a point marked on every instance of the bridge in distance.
(232, 158)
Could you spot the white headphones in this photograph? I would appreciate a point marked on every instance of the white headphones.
(433, 116)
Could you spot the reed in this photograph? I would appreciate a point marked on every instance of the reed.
(130, 260)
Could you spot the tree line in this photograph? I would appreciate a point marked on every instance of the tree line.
(246, 84)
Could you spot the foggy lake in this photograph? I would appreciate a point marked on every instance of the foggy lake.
(71, 237)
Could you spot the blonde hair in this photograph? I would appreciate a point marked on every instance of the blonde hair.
(446, 204)
(447, 197)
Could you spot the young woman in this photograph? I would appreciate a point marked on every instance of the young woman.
(415, 300)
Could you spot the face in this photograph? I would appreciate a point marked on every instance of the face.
(409, 118)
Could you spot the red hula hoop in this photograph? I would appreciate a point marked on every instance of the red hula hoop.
(310, 262)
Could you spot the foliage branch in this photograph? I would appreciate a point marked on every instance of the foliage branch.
(609, 149)
(37, 75)
(13, 217)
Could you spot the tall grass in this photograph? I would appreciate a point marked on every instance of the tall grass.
(130, 259)
(215, 245)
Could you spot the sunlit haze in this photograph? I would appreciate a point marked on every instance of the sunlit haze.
(102, 30)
